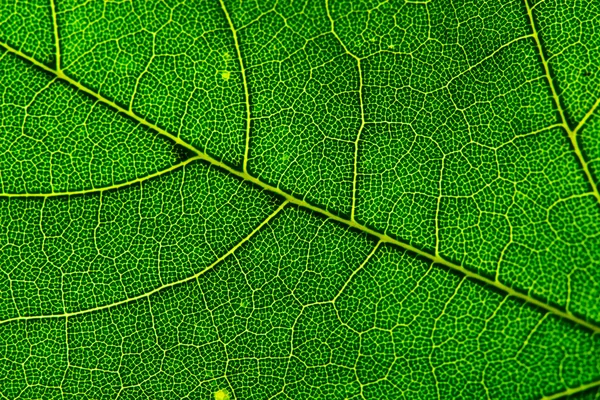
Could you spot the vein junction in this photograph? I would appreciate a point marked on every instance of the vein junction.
(572, 133)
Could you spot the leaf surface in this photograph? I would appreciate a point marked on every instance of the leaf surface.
(318, 199)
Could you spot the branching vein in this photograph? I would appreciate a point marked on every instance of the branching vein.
(104, 188)
(244, 83)
(572, 391)
(362, 110)
(160, 288)
(572, 133)
(56, 37)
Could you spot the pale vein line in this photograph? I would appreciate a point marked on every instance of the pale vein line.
(587, 116)
(362, 109)
(356, 271)
(438, 206)
(244, 84)
(545, 65)
(160, 288)
(304, 204)
(104, 188)
(571, 391)
(483, 60)
(360, 130)
(56, 37)
(571, 133)
(61, 75)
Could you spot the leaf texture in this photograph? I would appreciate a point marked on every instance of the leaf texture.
(299, 199)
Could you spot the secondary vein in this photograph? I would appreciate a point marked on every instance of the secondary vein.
(104, 188)
(362, 110)
(162, 287)
(244, 84)
(56, 37)
(571, 133)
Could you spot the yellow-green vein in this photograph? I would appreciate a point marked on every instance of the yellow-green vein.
(105, 188)
(160, 288)
(56, 37)
(362, 109)
(571, 133)
(244, 84)
(572, 391)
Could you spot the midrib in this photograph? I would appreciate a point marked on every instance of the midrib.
(384, 238)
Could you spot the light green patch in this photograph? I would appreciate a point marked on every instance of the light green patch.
(222, 395)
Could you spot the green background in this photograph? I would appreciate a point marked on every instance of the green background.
(299, 199)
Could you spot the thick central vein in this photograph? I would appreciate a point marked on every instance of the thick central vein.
(384, 238)
(572, 391)
(572, 133)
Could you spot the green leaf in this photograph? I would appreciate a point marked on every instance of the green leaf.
(299, 199)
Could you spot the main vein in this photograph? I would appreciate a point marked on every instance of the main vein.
(384, 238)
(572, 391)
(572, 133)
